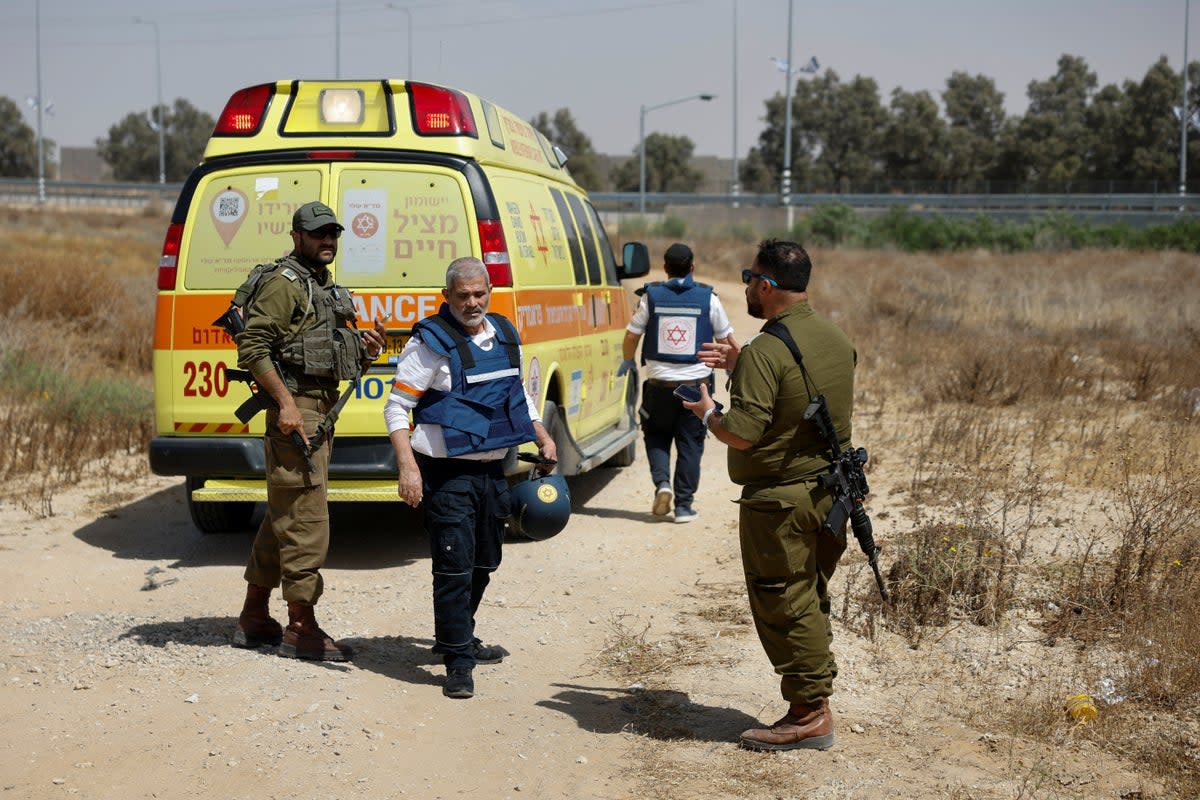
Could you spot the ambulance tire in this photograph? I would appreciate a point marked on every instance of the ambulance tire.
(556, 426)
(628, 454)
(624, 457)
(218, 517)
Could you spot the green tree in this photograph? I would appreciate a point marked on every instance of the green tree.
(760, 170)
(1053, 138)
(583, 161)
(1109, 120)
(1153, 131)
(18, 143)
(843, 126)
(975, 116)
(668, 166)
(756, 175)
(837, 134)
(131, 148)
(914, 141)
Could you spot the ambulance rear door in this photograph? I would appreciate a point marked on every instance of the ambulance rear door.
(237, 218)
(405, 223)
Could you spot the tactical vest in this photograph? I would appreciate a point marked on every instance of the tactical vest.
(327, 345)
(485, 408)
(679, 320)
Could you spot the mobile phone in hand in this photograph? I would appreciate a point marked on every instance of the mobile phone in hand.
(689, 393)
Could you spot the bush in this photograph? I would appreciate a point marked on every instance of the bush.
(833, 224)
(672, 227)
(946, 572)
(837, 224)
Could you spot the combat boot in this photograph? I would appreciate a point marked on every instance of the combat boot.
(303, 638)
(807, 726)
(255, 625)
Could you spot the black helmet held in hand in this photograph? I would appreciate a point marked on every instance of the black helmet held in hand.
(540, 507)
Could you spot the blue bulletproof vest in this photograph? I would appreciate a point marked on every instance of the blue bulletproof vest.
(485, 408)
(679, 320)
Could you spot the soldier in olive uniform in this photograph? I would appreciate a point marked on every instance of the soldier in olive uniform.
(296, 317)
(776, 456)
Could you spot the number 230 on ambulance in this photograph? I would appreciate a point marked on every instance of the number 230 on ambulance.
(419, 175)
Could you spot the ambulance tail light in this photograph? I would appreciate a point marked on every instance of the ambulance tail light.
(168, 262)
(245, 111)
(438, 111)
(495, 252)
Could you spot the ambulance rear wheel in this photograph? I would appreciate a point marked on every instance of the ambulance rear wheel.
(625, 456)
(217, 517)
(556, 426)
(628, 454)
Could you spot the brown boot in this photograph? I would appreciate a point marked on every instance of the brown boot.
(807, 726)
(303, 638)
(255, 625)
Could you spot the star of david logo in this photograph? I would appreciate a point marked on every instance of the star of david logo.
(676, 335)
(365, 225)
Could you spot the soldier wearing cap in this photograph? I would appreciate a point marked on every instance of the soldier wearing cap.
(300, 342)
(679, 315)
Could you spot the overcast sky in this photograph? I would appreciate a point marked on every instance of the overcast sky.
(602, 59)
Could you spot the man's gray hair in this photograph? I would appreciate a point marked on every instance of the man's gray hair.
(466, 268)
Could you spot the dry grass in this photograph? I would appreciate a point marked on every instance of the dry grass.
(630, 656)
(76, 356)
(1046, 408)
(1043, 408)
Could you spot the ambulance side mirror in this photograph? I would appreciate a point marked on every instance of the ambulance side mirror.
(636, 258)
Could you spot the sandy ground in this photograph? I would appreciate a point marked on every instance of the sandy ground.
(118, 679)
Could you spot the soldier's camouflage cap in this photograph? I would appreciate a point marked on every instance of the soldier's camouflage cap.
(314, 216)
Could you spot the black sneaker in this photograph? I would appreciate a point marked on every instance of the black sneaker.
(489, 653)
(459, 683)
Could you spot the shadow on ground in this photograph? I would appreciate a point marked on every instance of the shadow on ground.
(586, 488)
(157, 528)
(402, 658)
(658, 713)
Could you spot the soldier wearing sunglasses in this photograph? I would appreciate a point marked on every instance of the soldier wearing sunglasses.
(777, 456)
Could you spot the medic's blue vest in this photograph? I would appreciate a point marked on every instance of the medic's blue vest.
(485, 408)
(678, 312)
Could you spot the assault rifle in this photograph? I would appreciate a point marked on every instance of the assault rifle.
(260, 399)
(847, 482)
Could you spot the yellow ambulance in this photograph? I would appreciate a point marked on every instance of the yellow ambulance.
(419, 175)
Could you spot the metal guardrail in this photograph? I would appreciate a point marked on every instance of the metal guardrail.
(1173, 203)
(80, 193)
(1138, 209)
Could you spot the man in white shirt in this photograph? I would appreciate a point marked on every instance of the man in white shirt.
(677, 315)
(460, 377)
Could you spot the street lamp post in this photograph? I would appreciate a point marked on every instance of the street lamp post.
(785, 189)
(160, 123)
(642, 142)
(735, 185)
(41, 148)
(1185, 109)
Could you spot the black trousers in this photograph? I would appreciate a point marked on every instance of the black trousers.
(665, 422)
(466, 505)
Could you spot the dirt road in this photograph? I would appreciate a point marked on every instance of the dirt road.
(118, 680)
